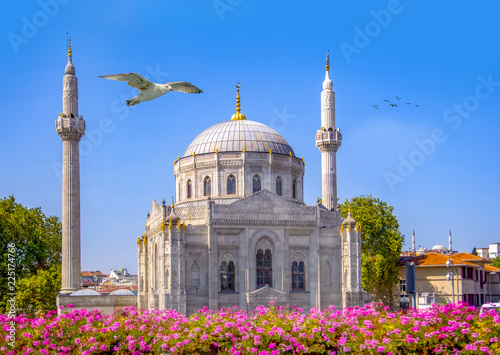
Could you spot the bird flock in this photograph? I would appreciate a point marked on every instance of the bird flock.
(394, 103)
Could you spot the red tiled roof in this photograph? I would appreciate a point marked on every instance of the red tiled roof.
(491, 268)
(435, 259)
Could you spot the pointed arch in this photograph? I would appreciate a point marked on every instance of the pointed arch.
(231, 185)
(256, 183)
(189, 189)
(195, 274)
(207, 186)
(279, 186)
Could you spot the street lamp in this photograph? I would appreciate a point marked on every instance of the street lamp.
(489, 278)
(450, 275)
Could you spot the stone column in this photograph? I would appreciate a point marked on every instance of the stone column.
(71, 130)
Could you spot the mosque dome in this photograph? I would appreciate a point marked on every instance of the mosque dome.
(438, 248)
(236, 135)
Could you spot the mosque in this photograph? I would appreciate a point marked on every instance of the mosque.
(239, 233)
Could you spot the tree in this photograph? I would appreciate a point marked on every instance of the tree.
(381, 244)
(496, 262)
(30, 244)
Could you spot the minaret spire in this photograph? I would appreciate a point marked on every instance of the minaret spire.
(413, 240)
(71, 128)
(449, 242)
(328, 140)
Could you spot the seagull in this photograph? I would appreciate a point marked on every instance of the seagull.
(386, 100)
(398, 98)
(417, 105)
(408, 103)
(149, 90)
(393, 105)
(375, 107)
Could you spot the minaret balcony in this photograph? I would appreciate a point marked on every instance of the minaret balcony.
(329, 139)
(75, 126)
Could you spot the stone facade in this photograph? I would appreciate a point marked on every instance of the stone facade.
(240, 233)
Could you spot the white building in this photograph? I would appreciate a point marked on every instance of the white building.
(240, 232)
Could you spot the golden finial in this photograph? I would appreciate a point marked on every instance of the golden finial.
(138, 241)
(162, 226)
(179, 224)
(183, 226)
(244, 150)
(341, 228)
(291, 154)
(217, 151)
(145, 241)
(179, 158)
(270, 151)
(170, 225)
(238, 115)
(69, 45)
(328, 61)
(302, 158)
(172, 202)
(194, 154)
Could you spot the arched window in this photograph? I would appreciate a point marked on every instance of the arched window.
(207, 186)
(264, 268)
(256, 183)
(294, 189)
(279, 186)
(227, 276)
(298, 276)
(189, 189)
(231, 185)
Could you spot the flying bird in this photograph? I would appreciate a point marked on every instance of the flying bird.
(408, 103)
(393, 105)
(398, 98)
(375, 107)
(417, 105)
(149, 90)
(386, 100)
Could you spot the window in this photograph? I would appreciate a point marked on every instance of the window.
(264, 268)
(231, 185)
(402, 287)
(189, 189)
(298, 276)
(207, 186)
(227, 276)
(256, 183)
(294, 189)
(279, 186)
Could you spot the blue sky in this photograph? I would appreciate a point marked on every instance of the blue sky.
(437, 164)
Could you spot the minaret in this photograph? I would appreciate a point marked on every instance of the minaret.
(450, 249)
(328, 140)
(413, 241)
(71, 128)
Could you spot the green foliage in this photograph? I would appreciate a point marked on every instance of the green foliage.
(496, 262)
(381, 242)
(38, 292)
(36, 254)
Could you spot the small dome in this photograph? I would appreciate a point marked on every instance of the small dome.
(85, 292)
(349, 219)
(172, 216)
(122, 292)
(236, 135)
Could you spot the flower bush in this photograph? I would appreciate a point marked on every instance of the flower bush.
(450, 329)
